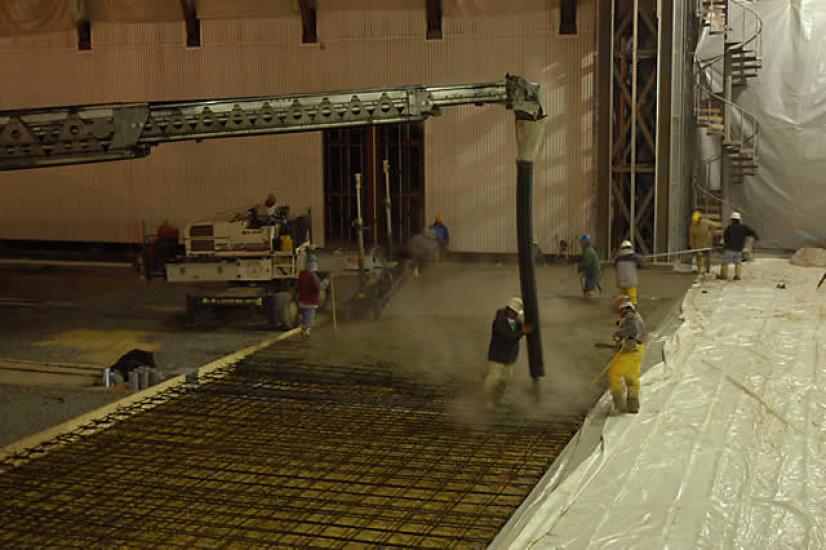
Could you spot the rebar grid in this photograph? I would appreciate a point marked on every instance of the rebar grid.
(279, 452)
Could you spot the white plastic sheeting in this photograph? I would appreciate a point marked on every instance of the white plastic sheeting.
(789, 99)
(728, 448)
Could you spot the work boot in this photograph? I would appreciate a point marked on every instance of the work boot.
(536, 390)
(633, 405)
(619, 405)
(723, 272)
(738, 272)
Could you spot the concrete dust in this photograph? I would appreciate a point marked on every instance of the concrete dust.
(437, 329)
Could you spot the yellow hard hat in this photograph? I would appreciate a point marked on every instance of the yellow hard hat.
(695, 217)
(440, 218)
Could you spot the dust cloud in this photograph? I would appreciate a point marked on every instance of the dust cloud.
(436, 330)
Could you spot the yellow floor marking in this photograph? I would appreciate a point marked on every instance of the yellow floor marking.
(102, 347)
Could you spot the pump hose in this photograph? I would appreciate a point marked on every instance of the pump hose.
(527, 277)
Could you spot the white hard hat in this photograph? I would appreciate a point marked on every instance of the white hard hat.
(627, 304)
(515, 304)
(736, 216)
(626, 244)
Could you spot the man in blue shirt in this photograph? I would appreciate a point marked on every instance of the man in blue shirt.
(440, 232)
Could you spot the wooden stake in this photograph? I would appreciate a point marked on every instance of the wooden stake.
(333, 299)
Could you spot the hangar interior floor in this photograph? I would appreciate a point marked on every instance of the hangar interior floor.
(374, 434)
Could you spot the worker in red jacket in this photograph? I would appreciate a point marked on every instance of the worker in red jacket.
(309, 293)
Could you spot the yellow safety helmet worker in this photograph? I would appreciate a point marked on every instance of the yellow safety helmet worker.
(439, 218)
(695, 217)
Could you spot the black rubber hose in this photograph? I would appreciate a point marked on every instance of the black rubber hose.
(527, 277)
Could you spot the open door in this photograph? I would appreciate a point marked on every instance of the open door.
(362, 150)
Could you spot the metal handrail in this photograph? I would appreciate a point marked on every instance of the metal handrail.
(752, 138)
(721, 200)
(758, 27)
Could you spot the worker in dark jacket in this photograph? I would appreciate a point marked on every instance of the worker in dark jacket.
(508, 328)
(309, 294)
(734, 239)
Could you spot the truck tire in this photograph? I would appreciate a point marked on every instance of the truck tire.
(285, 310)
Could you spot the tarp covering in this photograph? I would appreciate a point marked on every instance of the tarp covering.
(786, 199)
(727, 450)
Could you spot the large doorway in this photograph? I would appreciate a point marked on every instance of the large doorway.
(363, 150)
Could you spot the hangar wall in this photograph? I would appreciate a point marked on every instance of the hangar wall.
(469, 163)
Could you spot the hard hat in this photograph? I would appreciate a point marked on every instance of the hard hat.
(626, 244)
(695, 217)
(515, 305)
(623, 301)
(736, 216)
(440, 219)
(585, 239)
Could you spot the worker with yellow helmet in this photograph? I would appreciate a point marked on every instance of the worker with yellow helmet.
(701, 235)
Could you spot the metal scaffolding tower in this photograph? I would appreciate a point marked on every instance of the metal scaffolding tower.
(634, 117)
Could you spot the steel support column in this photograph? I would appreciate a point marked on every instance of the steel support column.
(682, 143)
(602, 128)
(633, 186)
(664, 109)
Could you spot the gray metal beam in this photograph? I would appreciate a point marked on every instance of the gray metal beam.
(92, 133)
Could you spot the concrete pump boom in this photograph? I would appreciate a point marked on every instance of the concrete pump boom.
(32, 138)
(53, 136)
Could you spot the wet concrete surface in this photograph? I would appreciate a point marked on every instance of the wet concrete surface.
(436, 327)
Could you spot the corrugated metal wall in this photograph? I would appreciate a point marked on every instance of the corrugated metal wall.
(470, 168)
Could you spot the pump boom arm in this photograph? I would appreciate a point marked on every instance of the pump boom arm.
(32, 138)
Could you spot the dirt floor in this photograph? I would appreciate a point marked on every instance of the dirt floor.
(437, 326)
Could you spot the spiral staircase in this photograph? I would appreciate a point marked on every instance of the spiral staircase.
(718, 78)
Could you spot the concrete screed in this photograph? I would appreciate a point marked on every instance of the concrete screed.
(437, 326)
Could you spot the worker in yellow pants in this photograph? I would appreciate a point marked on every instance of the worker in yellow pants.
(624, 369)
(624, 375)
(630, 291)
(626, 265)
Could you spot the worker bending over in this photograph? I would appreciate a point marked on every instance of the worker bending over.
(701, 235)
(506, 331)
(588, 267)
(309, 294)
(624, 369)
(626, 266)
(734, 239)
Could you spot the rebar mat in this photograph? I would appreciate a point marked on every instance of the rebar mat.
(283, 453)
